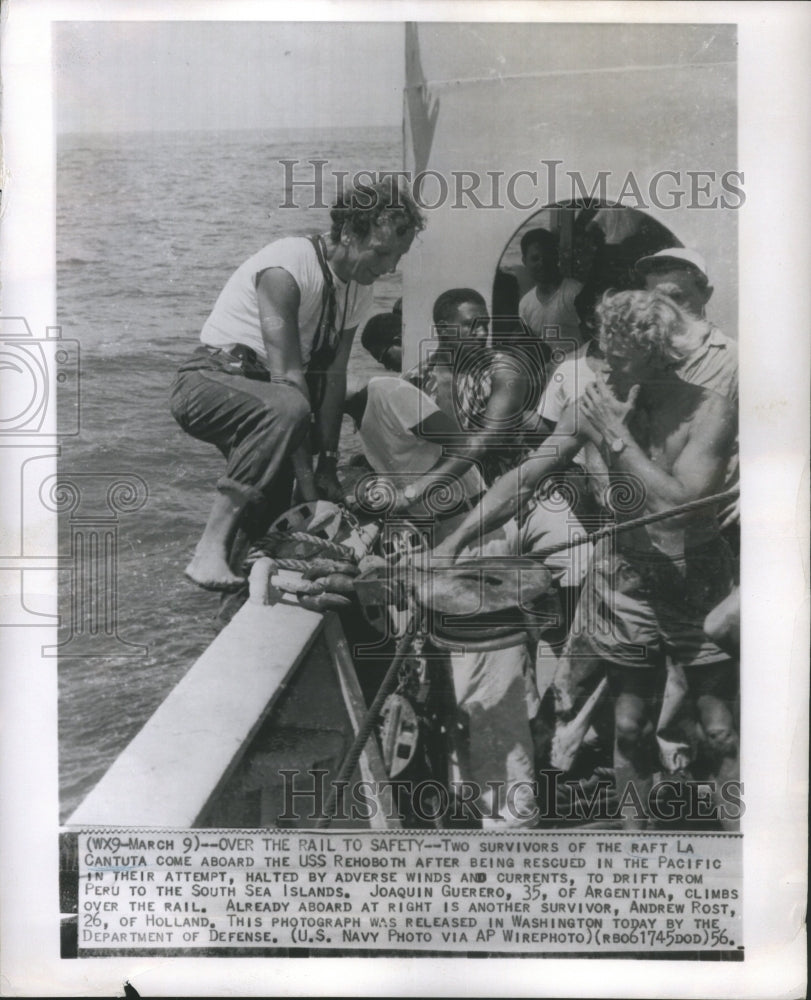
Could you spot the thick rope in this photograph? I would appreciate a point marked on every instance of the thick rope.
(326, 548)
(637, 522)
(615, 529)
(296, 565)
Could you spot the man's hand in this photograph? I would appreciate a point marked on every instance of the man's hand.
(731, 515)
(305, 491)
(607, 414)
(328, 486)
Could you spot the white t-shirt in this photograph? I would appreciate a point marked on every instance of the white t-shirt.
(394, 407)
(235, 316)
(713, 365)
(569, 380)
(554, 317)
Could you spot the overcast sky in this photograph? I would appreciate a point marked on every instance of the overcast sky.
(133, 76)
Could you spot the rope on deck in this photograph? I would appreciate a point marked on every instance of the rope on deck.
(325, 547)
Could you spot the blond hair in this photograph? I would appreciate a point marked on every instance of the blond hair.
(642, 323)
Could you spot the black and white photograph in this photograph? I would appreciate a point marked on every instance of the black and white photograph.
(406, 536)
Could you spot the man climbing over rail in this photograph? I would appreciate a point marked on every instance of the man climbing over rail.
(648, 590)
(273, 360)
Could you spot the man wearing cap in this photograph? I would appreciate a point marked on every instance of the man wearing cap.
(681, 274)
(712, 357)
(647, 592)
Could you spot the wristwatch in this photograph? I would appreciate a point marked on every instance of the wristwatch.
(617, 445)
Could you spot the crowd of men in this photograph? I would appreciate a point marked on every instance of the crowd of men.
(638, 418)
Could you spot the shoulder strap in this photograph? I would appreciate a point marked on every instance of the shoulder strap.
(326, 321)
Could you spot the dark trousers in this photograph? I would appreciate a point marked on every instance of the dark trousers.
(256, 425)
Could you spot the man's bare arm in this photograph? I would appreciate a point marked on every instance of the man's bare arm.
(506, 396)
(279, 297)
(511, 493)
(697, 472)
(700, 470)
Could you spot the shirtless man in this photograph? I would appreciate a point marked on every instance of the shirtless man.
(711, 357)
(647, 591)
(484, 387)
(473, 405)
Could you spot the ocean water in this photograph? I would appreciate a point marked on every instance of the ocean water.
(149, 228)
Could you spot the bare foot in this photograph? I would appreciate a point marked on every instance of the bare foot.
(212, 572)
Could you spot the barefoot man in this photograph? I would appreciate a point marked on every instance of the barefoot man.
(648, 590)
(274, 355)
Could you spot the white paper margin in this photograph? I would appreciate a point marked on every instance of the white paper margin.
(775, 312)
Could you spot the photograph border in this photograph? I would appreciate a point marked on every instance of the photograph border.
(774, 246)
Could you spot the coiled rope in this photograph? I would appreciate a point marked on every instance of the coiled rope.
(323, 546)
